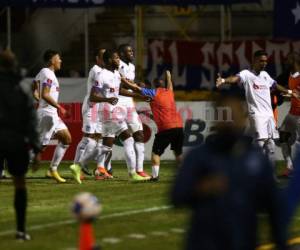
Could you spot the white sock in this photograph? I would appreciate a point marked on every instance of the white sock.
(140, 155)
(107, 162)
(155, 171)
(103, 151)
(89, 155)
(269, 148)
(286, 152)
(80, 149)
(130, 155)
(90, 147)
(59, 153)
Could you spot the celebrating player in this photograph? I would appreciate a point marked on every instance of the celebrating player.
(50, 124)
(91, 127)
(257, 84)
(106, 91)
(127, 70)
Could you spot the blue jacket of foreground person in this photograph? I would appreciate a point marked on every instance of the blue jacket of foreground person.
(226, 182)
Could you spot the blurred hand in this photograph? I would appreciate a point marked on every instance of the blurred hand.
(168, 75)
(296, 94)
(62, 111)
(113, 100)
(219, 81)
(36, 162)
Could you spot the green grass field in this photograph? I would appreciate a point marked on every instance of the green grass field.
(135, 215)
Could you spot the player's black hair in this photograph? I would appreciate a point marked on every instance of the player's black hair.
(48, 54)
(259, 53)
(108, 55)
(123, 47)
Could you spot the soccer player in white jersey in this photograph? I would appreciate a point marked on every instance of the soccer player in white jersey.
(113, 116)
(127, 70)
(50, 124)
(91, 127)
(257, 83)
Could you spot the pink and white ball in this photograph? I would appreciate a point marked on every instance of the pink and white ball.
(86, 207)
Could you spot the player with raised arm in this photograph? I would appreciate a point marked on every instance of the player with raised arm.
(127, 70)
(168, 121)
(257, 83)
(50, 124)
(91, 127)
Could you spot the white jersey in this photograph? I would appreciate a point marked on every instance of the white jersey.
(46, 77)
(257, 90)
(127, 71)
(87, 106)
(108, 85)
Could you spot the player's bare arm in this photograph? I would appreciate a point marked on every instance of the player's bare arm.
(136, 94)
(129, 84)
(95, 96)
(169, 80)
(229, 80)
(47, 97)
(287, 92)
(35, 90)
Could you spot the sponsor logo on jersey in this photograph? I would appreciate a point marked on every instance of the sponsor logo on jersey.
(258, 86)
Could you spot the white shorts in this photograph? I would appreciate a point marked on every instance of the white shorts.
(49, 125)
(291, 123)
(113, 128)
(263, 127)
(90, 118)
(133, 120)
(91, 127)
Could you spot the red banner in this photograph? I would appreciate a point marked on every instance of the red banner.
(194, 65)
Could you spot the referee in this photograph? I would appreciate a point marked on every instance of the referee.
(18, 134)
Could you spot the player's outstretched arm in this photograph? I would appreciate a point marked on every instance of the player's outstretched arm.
(169, 80)
(229, 80)
(136, 94)
(129, 84)
(287, 92)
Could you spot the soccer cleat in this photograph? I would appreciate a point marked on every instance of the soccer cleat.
(154, 179)
(287, 173)
(110, 171)
(100, 177)
(85, 170)
(57, 177)
(100, 171)
(136, 177)
(76, 172)
(143, 174)
(48, 174)
(23, 236)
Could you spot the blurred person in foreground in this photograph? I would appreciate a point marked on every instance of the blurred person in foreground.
(226, 182)
(18, 134)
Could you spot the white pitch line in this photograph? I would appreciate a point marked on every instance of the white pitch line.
(66, 222)
(111, 240)
(137, 236)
